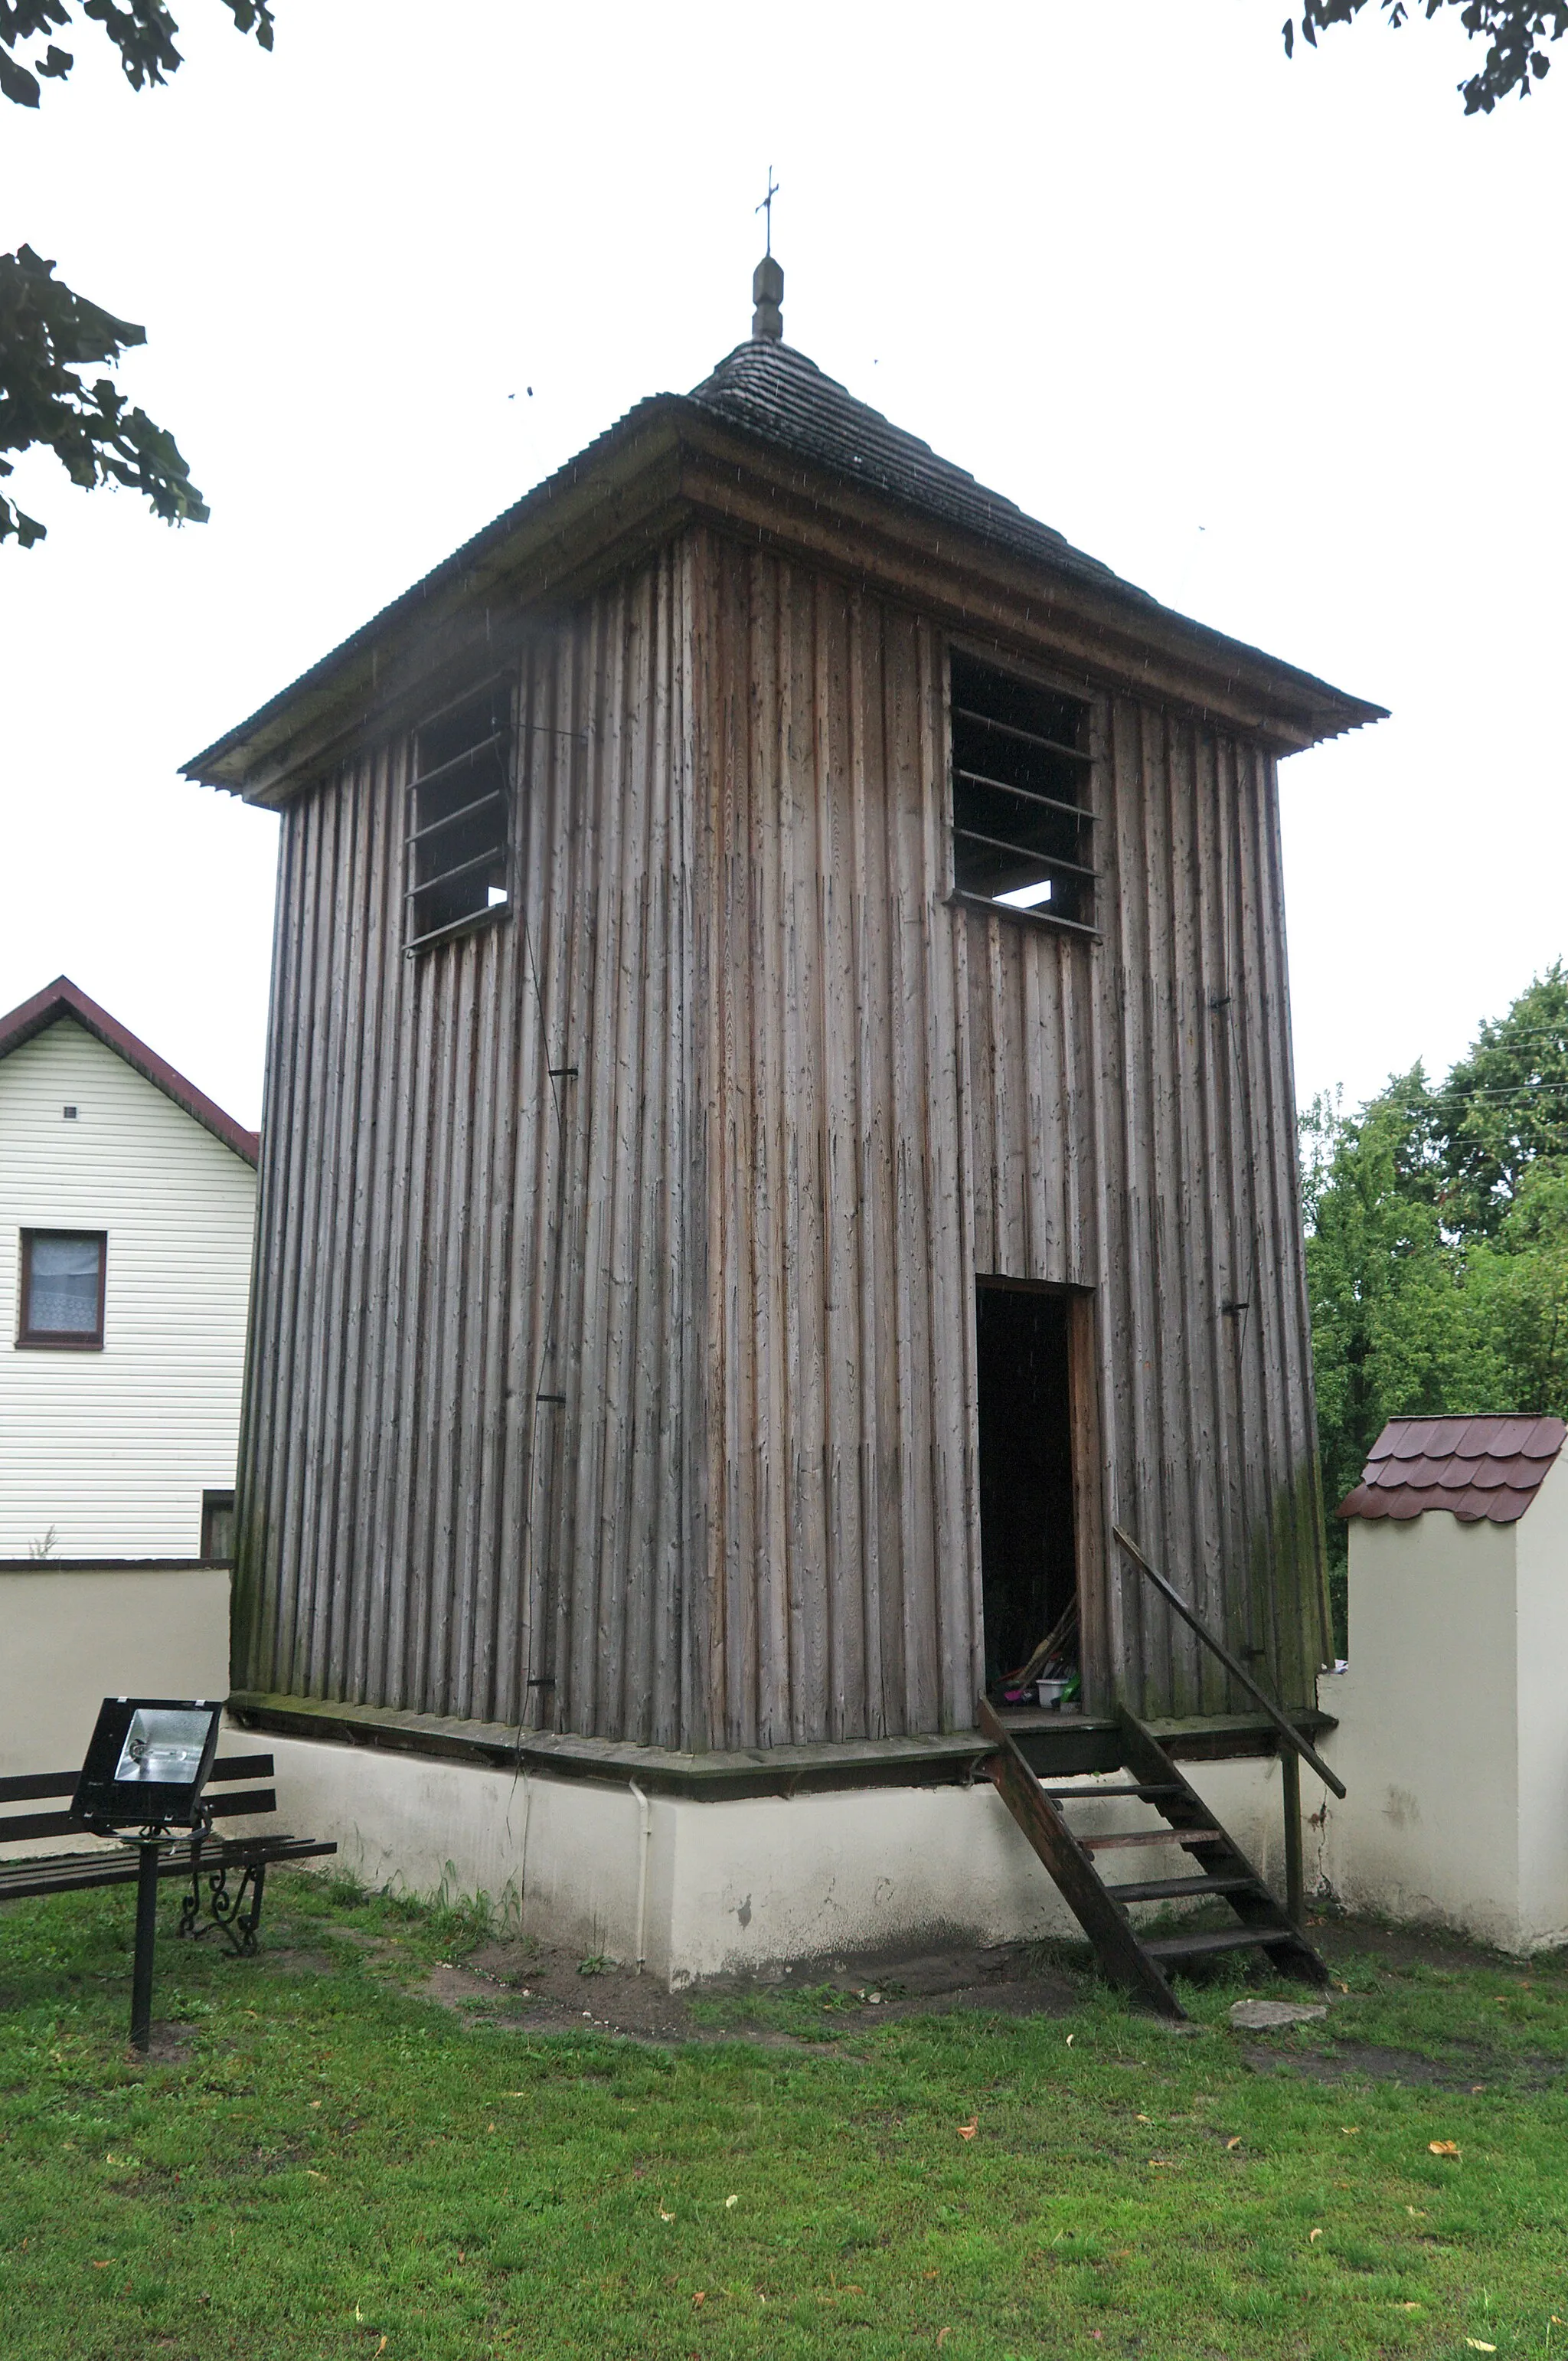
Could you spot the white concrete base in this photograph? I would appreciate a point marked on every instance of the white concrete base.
(722, 1887)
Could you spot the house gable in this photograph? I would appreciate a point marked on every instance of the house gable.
(63, 999)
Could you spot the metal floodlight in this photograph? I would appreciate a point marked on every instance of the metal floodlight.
(146, 1763)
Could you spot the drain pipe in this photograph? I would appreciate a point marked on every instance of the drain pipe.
(522, 1864)
(642, 1842)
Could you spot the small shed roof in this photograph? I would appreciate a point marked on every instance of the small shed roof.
(1486, 1467)
(64, 999)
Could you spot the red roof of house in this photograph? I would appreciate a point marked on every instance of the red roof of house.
(63, 998)
(1488, 1466)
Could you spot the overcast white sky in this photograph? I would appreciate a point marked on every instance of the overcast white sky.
(1283, 343)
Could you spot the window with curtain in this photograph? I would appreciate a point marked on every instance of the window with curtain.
(62, 1288)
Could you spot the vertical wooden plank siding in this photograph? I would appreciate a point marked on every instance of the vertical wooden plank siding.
(449, 1231)
(904, 1095)
(805, 1102)
(1216, 1470)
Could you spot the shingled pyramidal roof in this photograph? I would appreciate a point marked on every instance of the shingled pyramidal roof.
(775, 391)
(788, 409)
(1489, 1467)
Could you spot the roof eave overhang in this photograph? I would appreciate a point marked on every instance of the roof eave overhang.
(975, 585)
(672, 462)
(584, 522)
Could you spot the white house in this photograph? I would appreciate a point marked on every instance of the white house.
(128, 1205)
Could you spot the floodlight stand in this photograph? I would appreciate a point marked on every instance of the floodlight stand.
(146, 1930)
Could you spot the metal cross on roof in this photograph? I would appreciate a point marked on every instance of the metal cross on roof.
(767, 207)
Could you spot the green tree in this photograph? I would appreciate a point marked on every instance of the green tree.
(1437, 1243)
(48, 336)
(1515, 32)
(1392, 1326)
(1504, 1106)
(1520, 1286)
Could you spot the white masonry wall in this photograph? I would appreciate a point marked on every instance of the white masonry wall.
(70, 1638)
(723, 1886)
(1428, 1735)
(113, 1450)
(1453, 1726)
(1540, 1577)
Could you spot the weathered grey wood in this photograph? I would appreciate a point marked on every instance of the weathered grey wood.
(858, 1160)
(814, 1100)
(1217, 1940)
(1115, 1946)
(688, 1152)
(1220, 1247)
(839, 752)
(1078, 1794)
(371, 1247)
(1183, 1889)
(1131, 1838)
(1288, 1951)
(1292, 1737)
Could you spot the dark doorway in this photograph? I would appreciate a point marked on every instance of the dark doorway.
(1029, 1553)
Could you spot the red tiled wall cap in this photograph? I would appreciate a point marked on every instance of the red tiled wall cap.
(1490, 1467)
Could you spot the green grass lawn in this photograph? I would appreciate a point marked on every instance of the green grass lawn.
(335, 2165)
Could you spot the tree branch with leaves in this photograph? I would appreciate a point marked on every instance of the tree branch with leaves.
(1515, 32)
(48, 334)
(142, 31)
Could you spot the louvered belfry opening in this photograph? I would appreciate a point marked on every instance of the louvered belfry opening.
(459, 804)
(1022, 832)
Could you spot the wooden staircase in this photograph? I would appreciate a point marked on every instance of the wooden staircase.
(1215, 1866)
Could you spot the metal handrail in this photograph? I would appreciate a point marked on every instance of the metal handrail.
(1238, 1672)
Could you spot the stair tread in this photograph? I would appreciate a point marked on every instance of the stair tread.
(1092, 1795)
(1135, 1962)
(1173, 1889)
(1223, 1938)
(1155, 1836)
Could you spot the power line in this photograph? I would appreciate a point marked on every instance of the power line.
(1495, 1091)
(1440, 1102)
(1557, 1032)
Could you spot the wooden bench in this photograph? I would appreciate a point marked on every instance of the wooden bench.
(204, 1861)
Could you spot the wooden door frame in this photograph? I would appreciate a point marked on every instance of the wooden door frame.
(1089, 1501)
(1088, 1475)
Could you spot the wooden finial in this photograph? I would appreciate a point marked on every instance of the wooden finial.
(767, 293)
